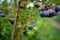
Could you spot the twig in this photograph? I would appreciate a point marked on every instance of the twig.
(15, 23)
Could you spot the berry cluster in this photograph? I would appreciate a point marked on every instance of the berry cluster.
(47, 10)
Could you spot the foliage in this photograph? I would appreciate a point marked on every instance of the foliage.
(57, 18)
(43, 29)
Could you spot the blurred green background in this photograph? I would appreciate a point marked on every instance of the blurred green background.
(44, 28)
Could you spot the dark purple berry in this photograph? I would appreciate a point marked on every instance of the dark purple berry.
(12, 20)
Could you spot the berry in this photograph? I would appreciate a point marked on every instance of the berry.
(37, 5)
(52, 13)
(30, 27)
(12, 20)
(41, 14)
(44, 13)
(57, 8)
(2, 15)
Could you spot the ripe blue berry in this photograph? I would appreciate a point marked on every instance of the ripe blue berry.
(52, 13)
(41, 14)
(2, 15)
(30, 27)
(37, 5)
(57, 8)
(44, 13)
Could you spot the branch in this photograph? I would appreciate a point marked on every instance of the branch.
(16, 20)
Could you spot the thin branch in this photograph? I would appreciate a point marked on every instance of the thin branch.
(15, 23)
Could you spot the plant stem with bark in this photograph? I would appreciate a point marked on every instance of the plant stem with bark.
(15, 22)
